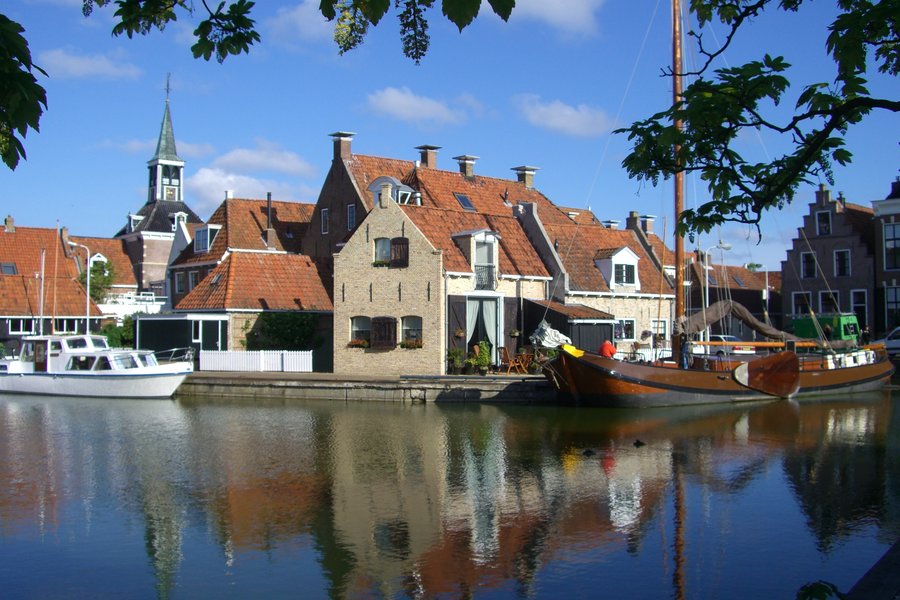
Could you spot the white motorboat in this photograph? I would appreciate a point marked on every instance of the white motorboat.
(85, 365)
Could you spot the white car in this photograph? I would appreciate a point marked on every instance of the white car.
(735, 348)
(891, 342)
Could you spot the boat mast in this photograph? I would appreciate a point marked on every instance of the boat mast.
(679, 180)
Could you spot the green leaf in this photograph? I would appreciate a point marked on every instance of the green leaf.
(461, 12)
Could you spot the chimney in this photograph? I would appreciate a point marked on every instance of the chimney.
(611, 224)
(895, 190)
(342, 141)
(9, 225)
(384, 197)
(229, 194)
(525, 175)
(270, 231)
(823, 195)
(428, 156)
(632, 221)
(647, 223)
(466, 164)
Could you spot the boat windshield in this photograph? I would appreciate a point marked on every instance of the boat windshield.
(102, 364)
(99, 342)
(76, 342)
(124, 361)
(148, 359)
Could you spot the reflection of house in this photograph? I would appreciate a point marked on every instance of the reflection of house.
(887, 261)
(149, 233)
(39, 289)
(242, 263)
(830, 266)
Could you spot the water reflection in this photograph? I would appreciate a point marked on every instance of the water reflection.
(360, 500)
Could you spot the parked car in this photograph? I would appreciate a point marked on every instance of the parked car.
(736, 348)
(891, 342)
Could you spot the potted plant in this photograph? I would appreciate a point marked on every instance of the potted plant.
(455, 360)
(514, 333)
(483, 357)
(411, 344)
(469, 365)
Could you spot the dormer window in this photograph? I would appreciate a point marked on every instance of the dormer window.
(204, 238)
(625, 274)
(133, 221)
(178, 218)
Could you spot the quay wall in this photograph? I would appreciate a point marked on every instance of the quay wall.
(208, 386)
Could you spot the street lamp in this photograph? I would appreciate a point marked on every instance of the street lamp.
(724, 247)
(87, 292)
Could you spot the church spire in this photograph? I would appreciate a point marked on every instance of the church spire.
(166, 168)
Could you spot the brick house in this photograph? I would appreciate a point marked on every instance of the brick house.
(887, 261)
(149, 233)
(245, 261)
(830, 265)
(39, 289)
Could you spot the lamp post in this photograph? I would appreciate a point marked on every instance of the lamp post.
(87, 292)
(724, 247)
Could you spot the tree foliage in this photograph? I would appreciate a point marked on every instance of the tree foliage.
(285, 331)
(102, 276)
(720, 107)
(716, 109)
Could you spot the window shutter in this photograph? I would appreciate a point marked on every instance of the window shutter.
(399, 252)
(384, 332)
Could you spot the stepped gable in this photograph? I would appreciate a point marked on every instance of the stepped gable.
(516, 254)
(243, 224)
(860, 219)
(261, 281)
(114, 251)
(578, 246)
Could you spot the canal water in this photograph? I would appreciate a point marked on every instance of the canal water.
(190, 499)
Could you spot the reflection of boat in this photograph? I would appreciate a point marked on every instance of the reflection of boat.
(590, 378)
(85, 365)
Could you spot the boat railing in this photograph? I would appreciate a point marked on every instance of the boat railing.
(175, 355)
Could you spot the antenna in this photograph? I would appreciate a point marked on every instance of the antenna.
(168, 85)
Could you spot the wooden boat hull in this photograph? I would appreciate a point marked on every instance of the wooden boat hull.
(594, 380)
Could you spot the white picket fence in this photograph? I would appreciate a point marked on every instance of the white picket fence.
(260, 360)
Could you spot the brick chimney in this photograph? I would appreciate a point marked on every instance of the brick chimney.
(466, 164)
(895, 190)
(428, 156)
(611, 224)
(525, 175)
(342, 141)
(823, 195)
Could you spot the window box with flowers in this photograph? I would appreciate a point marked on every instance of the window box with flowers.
(381, 263)
(358, 344)
(411, 344)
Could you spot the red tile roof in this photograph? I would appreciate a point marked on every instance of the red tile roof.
(114, 251)
(516, 254)
(366, 169)
(261, 281)
(575, 311)
(578, 246)
(243, 223)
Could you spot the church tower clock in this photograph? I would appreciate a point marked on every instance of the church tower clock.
(166, 168)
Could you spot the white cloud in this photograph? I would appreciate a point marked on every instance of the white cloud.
(581, 120)
(66, 64)
(302, 22)
(403, 104)
(148, 147)
(568, 16)
(206, 189)
(267, 156)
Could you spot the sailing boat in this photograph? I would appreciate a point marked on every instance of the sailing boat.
(589, 378)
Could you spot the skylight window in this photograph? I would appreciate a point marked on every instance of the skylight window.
(8, 268)
(464, 201)
(739, 281)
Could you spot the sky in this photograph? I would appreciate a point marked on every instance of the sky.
(545, 89)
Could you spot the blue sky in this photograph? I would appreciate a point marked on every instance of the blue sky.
(545, 89)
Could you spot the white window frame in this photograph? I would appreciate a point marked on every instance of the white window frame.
(65, 325)
(407, 324)
(323, 217)
(204, 238)
(193, 279)
(655, 328)
(627, 269)
(197, 331)
(622, 322)
(815, 265)
(818, 224)
(823, 300)
(849, 267)
(18, 326)
(351, 217)
(356, 323)
(794, 295)
(891, 246)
